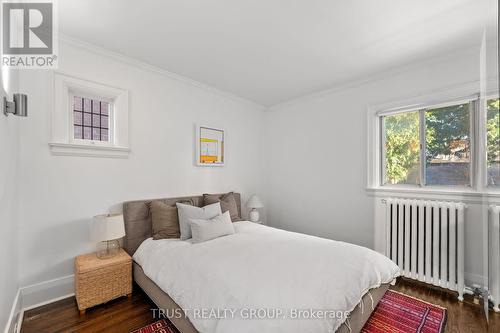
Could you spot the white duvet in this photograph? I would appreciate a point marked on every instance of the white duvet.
(263, 279)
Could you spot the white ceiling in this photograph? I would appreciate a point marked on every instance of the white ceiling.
(270, 51)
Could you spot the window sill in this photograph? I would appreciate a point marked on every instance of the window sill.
(464, 194)
(70, 149)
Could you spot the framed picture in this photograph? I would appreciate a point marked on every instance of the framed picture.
(210, 144)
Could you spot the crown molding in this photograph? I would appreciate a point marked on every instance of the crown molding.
(382, 75)
(65, 39)
(348, 84)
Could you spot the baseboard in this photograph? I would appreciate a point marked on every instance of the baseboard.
(45, 292)
(472, 279)
(13, 322)
(38, 294)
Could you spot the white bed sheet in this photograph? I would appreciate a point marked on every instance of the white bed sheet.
(259, 268)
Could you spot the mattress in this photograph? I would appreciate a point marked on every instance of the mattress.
(356, 321)
(304, 283)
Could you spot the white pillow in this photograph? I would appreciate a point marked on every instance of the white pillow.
(187, 212)
(204, 230)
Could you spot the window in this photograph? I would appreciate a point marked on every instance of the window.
(447, 143)
(402, 148)
(493, 141)
(430, 146)
(90, 119)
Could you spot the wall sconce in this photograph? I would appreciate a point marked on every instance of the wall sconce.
(19, 106)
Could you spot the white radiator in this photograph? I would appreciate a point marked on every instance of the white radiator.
(494, 260)
(426, 240)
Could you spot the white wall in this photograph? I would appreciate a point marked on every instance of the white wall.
(9, 164)
(60, 194)
(316, 157)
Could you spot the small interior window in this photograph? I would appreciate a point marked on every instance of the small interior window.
(90, 119)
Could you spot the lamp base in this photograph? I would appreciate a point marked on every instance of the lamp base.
(108, 249)
(254, 215)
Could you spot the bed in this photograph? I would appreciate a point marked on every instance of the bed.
(291, 275)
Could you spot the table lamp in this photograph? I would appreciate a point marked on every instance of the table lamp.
(108, 229)
(254, 202)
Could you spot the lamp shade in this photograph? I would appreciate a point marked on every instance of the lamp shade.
(254, 202)
(107, 227)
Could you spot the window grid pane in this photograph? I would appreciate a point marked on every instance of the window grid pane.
(96, 120)
(87, 119)
(96, 133)
(87, 105)
(90, 119)
(77, 104)
(104, 134)
(78, 130)
(87, 133)
(78, 118)
(104, 122)
(96, 106)
(104, 108)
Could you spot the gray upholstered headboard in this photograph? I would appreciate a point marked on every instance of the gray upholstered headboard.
(138, 219)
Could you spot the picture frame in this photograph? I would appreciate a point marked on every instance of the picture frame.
(210, 146)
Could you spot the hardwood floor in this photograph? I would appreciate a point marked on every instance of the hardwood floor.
(120, 315)
(127, 314)
(462, 316)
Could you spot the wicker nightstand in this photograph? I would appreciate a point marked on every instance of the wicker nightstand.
(100, 280)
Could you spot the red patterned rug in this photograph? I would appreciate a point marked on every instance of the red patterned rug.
(400, 313)
(161, 326)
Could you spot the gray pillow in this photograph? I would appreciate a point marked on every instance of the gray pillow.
(204, 230)
(165, 220)
(227, 203)
(187, 212)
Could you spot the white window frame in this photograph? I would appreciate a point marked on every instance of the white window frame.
(110, 101)
(479, 189)
(63, 142)
(473, 102)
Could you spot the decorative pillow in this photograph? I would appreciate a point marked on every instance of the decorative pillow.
(227, 203)
(165, 221)
(187, 212)
(204, 230)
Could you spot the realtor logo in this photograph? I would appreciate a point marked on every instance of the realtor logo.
(28, 39)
